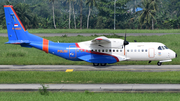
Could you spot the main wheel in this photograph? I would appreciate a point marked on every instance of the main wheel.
(95, 64)
(159, 63)
(103, 64)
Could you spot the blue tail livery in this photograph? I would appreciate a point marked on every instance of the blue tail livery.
(99, 51)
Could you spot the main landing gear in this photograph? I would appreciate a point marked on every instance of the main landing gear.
(97, 64)
(159, 63)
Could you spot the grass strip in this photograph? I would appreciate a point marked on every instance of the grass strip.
(17, 55)
(83, 96)
(99, 31)
(89, 77)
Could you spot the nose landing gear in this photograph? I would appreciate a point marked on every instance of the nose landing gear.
(159, 63)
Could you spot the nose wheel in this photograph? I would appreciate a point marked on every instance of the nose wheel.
(159, 63)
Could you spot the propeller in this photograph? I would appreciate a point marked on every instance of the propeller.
(125, 43)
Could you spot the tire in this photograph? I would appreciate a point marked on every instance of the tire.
(159, 63)
(95, 64)
(103, 64)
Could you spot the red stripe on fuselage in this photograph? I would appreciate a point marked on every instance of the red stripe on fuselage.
(16, 16)
(46, 45)
(77, 45)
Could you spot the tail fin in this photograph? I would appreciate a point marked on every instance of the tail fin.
(17, 33)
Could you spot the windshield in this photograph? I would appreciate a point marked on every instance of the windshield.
(159, 48)
(166, 47)
(162, 48)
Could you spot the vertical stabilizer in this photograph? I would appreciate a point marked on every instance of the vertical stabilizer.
(17, 34)
(15, 28)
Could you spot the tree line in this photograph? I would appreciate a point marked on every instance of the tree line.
(95, 14)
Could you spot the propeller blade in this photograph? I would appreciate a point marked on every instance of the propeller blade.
(125, 43)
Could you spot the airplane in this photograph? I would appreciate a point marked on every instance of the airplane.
(99, 51)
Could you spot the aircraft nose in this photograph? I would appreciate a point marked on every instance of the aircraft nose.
(173, 54)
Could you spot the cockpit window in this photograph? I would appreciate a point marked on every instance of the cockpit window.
(159, 48)
(162, 47)
(166, 47)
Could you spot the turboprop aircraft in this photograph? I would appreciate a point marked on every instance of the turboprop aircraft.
(99, 51)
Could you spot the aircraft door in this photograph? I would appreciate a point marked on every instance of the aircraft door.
(151, 53)
(72, 51)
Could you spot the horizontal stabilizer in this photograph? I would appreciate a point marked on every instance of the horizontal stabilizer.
(17, 42)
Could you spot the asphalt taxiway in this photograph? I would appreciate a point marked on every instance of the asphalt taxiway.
(140, 68)
(94, 87)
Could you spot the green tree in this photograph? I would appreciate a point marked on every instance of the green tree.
(53, 13)
(24, 13)
(69, 13)
(174, 7)
(70, 9)
(105, 17)
(90, 3)
(148, 13)
(81, 16)
(73, 3)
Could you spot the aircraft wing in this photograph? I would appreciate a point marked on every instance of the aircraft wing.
(100, 40)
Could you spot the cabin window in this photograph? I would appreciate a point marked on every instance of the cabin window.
(128, 50)
(113, 50)
(146, 50)
(116, 50)
(92, 50)
(106, 50)
(99, 50)
(142, 50)
(131, 50)
(120, 50)
(103, 50)
(95, 50)
(159, 48)
(110, 50)
(135, 50)
(138, 50)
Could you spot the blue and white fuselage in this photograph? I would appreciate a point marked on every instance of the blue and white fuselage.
(100, 50)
